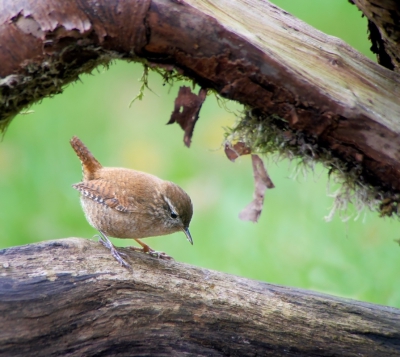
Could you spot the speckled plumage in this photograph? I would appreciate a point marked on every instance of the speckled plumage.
(126, 203)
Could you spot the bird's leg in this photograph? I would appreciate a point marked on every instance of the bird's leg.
(146, 249)
(106, 242)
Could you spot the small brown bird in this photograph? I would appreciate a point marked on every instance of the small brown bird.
(124, 203)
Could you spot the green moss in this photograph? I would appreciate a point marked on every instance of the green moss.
(168, 73)
(270, 135)
(145, 84)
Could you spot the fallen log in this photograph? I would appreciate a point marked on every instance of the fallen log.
(69, 297)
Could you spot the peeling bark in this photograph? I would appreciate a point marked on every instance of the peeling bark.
(262, 182)
(69, 297)
(186, 111)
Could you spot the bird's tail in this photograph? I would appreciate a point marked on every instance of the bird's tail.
(89, 164)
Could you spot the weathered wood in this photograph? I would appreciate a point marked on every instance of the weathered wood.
(247, 50)
(384, 26)
(69, 297)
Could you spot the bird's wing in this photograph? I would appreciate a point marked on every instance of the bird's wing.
(102, 192)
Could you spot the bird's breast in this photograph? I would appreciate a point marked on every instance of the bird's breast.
(138, 224)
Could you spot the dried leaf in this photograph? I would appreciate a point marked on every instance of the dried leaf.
(236, 150)
(186, 112)
(261, 182)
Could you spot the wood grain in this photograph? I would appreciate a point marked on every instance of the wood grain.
(69, 297)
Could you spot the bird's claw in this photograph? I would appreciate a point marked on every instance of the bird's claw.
(153, 253)
(159, 255)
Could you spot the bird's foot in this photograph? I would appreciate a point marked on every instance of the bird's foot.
(159, 255)
(153, 253)
(117, 255)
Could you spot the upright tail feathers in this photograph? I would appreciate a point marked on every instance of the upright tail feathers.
(89, 164)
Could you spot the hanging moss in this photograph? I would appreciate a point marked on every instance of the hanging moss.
(271, 135)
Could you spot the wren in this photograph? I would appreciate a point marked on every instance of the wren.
(124, 203)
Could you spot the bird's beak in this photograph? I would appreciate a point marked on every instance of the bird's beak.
(188, 236)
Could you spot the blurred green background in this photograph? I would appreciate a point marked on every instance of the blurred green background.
(291, 245)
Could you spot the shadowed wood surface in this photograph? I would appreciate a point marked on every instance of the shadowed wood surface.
(69, 297)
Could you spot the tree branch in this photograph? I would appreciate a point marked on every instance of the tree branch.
(384, 26)
(70, 297)
(338, 100)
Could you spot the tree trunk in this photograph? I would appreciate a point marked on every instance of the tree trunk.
(69, 297)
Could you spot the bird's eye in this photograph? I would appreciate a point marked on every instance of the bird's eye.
(174, 215)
